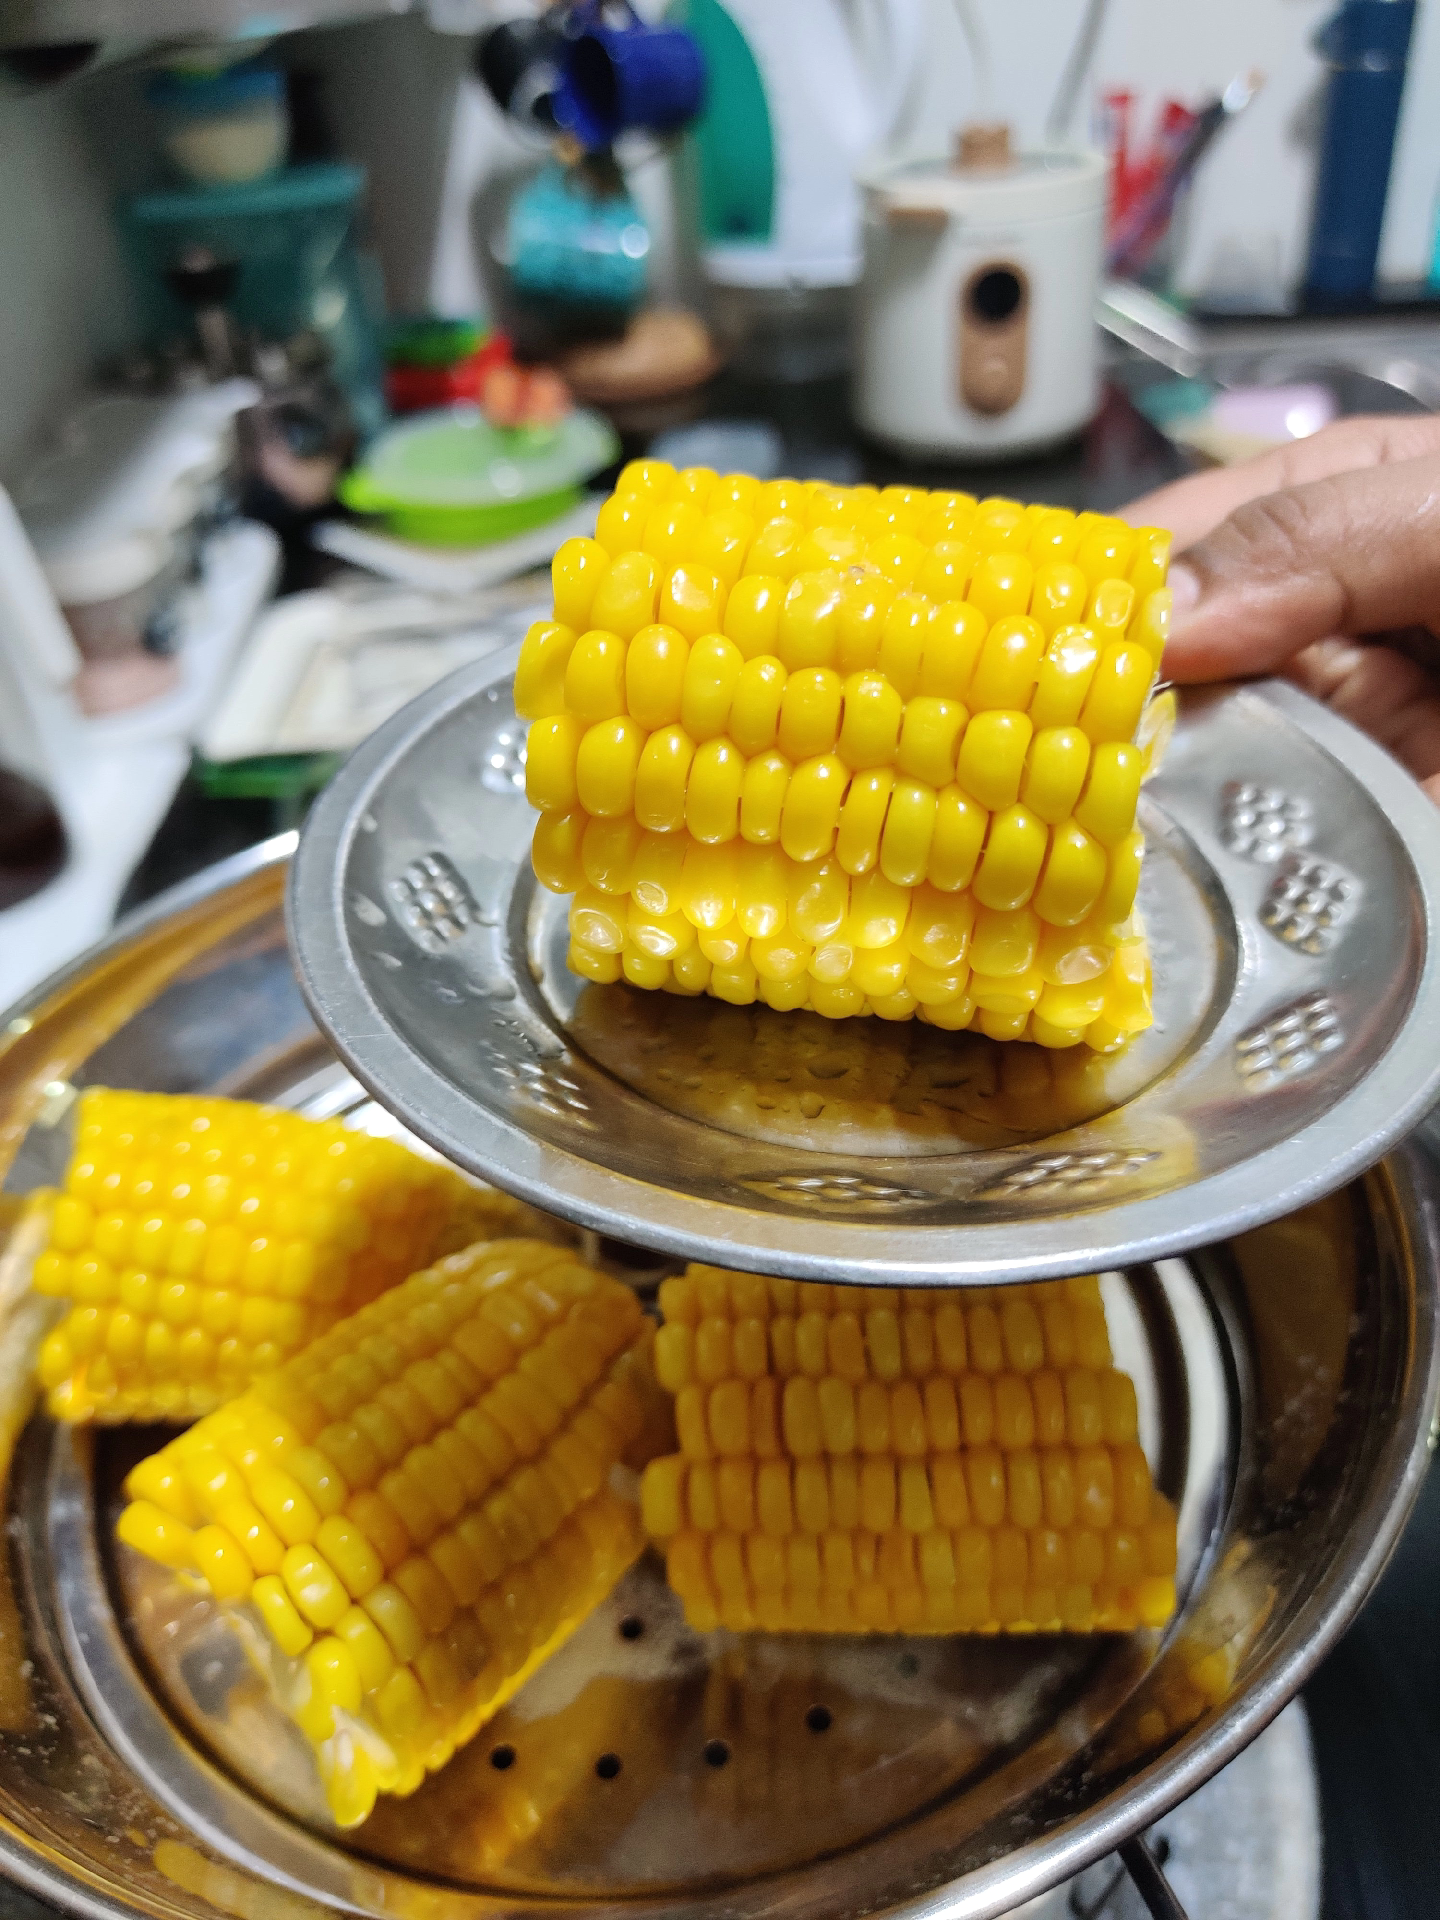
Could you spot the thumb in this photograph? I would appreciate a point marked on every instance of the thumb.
(1354, 554)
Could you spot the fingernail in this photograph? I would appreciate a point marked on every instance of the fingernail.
(1184, 588)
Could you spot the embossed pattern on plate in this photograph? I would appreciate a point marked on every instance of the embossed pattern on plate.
(1288, 895)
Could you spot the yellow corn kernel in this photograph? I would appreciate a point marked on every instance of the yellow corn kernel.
(961, 825)
(556, 853)
(662, 775)
(575, 574)
(809, 721)
(724, 542)
(953, 639)
(809, 630)
(1149, 559)
(531, 1538)
(1106, 809)
(755, 709)
(1010, 865)
(865, 604)
(550, 763)
(752, 613)
(1008, 667)
(607, 854)
(991, 761)
(712, 673)
(1064, 677)
(1073, 878)
(712, 793)
(1055, 772)
(811, 809)
(1150, 627)
(651, 479)
(777, 547)
(595, 677)
(862, 820)
(692, 600)
(929, 739)
(672, 530)
(540, 670)
(1059, 597)
(620, 524)
(1003, 942)
(909, 833)
(1054, 535)
(655, 663)
(1002, 584)
(1122, 880)
(1118, 692)
(626, 599)
(1069, 956)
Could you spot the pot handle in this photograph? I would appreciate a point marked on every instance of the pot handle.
(1150, 1883)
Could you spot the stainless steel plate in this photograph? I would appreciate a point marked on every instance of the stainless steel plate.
(1286, 1379)
(1289, 895)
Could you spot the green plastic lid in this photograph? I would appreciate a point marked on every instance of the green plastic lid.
(451, 477)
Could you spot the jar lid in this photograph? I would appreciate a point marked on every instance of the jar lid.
(83, 576)
(1037, 185)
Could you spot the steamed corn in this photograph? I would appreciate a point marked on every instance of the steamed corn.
(856, 751)
(201, 1241)
(413, 1513)
(862, 1459)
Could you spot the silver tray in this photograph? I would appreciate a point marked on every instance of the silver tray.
(1286, 1380)
(1289, 896)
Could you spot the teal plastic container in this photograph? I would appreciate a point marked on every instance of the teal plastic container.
(293, 237)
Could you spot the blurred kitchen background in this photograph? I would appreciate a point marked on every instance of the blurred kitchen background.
(323, 322)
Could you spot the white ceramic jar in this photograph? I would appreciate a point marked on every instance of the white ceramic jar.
(975, 323)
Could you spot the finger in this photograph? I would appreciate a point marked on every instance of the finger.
(1356, 554)
(1382, 692)
(1192, 508)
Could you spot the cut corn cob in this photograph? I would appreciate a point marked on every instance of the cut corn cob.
(859, 751)
(416, 1510)
(861, 1459)
(202, 1241)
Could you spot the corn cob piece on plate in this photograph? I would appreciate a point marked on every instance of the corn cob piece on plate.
(201, 1241)
(413, 1513)
(861, 1459)
(856, 751)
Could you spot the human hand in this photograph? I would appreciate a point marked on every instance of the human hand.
(1321, 561)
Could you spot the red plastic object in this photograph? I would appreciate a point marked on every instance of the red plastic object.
(413, 389)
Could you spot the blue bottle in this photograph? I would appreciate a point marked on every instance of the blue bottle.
(1365, 45)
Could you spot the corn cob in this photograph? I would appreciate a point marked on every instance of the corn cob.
(855, 751)
(202, 1241)
(416, 1510)
(861, 1459)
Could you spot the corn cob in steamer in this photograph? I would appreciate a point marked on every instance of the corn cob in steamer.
(859, 1459)
(854, 751)
(416, 1510)
(202, 1241)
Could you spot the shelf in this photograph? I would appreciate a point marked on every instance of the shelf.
(39, 23)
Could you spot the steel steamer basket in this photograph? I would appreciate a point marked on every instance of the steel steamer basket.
(1287, 1382)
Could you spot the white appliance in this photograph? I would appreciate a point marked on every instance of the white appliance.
(800, 93)
(975, 332)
